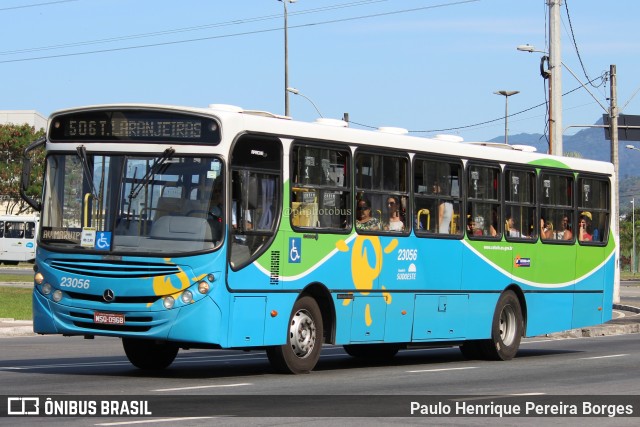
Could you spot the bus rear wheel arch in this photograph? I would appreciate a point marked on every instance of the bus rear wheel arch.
(300, 354)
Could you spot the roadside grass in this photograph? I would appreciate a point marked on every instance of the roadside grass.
(15, 303)
(627, 275)
(20, 278)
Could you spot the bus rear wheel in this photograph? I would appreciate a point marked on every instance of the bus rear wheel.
(149, 355)
(506, 329)
(304, 340)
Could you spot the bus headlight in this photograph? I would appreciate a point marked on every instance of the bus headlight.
(46, 289)
(187, 297)
(57, 295)
(38, 278)
(203, 287)
(168, 302)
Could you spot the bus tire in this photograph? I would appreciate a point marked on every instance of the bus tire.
(149, 355)
(506, 329)
(304, 340)
(372, 352)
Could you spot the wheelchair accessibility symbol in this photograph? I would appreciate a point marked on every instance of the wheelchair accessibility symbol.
(103, 240)
(295, 249)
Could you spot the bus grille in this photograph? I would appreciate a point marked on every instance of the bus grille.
(147, 300)
(117, 269)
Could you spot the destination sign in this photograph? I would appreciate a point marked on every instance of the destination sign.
(134, 125)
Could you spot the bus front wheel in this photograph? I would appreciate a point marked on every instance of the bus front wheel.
(149, 355)
(506, 330)
(304, 340)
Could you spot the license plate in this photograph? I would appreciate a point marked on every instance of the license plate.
(108, 318)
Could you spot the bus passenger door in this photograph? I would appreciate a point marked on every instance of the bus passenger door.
(253, 213)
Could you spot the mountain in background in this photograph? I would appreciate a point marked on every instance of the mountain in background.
(591, 144)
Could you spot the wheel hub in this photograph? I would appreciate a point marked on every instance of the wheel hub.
(302, 334)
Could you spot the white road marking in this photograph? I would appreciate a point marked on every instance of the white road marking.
(203, 386)
(157, 420)
(603, 357)
(500, 396)
(442, 370)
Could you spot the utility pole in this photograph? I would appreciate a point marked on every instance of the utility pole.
(555, 80)
(613, 123)
(286, 61)
(633, 235)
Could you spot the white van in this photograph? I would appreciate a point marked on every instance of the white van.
(18, 238)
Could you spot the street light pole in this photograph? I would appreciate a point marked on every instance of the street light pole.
(506, 94)
(295, 91)
(286, 56)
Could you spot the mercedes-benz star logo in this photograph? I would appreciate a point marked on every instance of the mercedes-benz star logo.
(108, 295)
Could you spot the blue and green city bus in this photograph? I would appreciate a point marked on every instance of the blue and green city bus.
(219, 227)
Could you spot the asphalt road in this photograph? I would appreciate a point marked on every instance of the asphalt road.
(73, 366)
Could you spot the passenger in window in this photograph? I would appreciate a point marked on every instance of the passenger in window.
(546, 229)
(471, 227)
(584, 227)
(565, 233)
(493, 227)
(445, 209)
(511, 227)
(395, 222)
(364, 220)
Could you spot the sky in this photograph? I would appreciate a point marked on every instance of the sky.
(429, 66)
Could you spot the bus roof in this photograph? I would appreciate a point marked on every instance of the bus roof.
(236, 120)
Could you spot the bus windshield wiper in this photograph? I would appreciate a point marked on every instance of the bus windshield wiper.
(82, 154)
(157, 164)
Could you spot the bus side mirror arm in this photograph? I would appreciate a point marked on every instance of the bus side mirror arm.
(26, 174)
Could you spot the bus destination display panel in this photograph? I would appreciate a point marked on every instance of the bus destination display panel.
(152, 126)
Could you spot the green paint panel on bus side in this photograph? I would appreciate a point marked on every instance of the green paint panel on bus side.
(549, 263)
(549, 163)
(323, 244)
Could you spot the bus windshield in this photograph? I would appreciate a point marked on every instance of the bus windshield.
(139, 203)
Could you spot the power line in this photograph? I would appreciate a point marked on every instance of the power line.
(35, 5)
(480, 123)
(575, 45)
(189, 29)
(245, 33)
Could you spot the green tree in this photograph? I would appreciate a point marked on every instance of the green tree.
(13, 140)
(626, 240)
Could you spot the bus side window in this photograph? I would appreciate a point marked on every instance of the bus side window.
(320, 190)
(30, 232)
(437, 202)
(483, 201)
(556, 203)
(593, 207)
